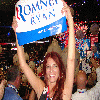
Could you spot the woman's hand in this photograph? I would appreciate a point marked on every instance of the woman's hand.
(14, 24)
(67, 11)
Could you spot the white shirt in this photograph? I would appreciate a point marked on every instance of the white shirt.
(92, 94)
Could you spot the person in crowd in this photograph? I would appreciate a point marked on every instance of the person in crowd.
(14, 80)
(58, 82)
(2, 86)
(81, 81)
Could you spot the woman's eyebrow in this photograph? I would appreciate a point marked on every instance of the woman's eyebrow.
(54, 64)
(48, 64)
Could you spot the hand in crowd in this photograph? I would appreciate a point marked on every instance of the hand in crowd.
(2, 86)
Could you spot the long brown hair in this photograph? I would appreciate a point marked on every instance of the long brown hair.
(58, 88)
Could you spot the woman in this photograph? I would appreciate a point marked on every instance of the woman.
(58, 83)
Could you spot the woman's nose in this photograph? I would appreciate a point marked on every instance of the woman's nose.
(51, 69)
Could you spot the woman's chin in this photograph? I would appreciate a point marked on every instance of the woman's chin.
(52, 81)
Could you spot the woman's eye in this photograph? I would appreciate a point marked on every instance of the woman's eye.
(55, 66)
(47, 66)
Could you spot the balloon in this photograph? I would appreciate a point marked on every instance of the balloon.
(72, 11)
(94, 49)
(64, 56)
(32, 65)
(24, 79)
(94, 29)
(79, 34)
(39, 70)
(26, 56)
(54, 47)
(16, 61)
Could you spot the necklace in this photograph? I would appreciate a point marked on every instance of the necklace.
(47, 94)
(13, 87)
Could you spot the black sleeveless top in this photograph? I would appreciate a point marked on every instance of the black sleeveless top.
(45, 94)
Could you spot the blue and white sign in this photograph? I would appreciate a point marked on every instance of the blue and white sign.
(38, 19)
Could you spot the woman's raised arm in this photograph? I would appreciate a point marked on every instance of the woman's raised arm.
(71, 54)
(35, 82)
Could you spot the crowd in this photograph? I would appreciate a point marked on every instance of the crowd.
(58, 81)
(9, 89)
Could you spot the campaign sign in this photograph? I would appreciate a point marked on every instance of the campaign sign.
(38, 19)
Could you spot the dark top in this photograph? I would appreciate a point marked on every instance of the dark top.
(44, 95)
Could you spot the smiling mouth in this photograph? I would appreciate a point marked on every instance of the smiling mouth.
(52, 75)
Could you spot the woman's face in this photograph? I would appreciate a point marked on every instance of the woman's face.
(52, 70)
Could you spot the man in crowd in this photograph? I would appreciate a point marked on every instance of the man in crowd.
(81, 81)
(14, 80)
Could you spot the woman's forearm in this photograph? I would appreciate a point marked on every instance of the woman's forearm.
(21, 54)
(71, 41)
